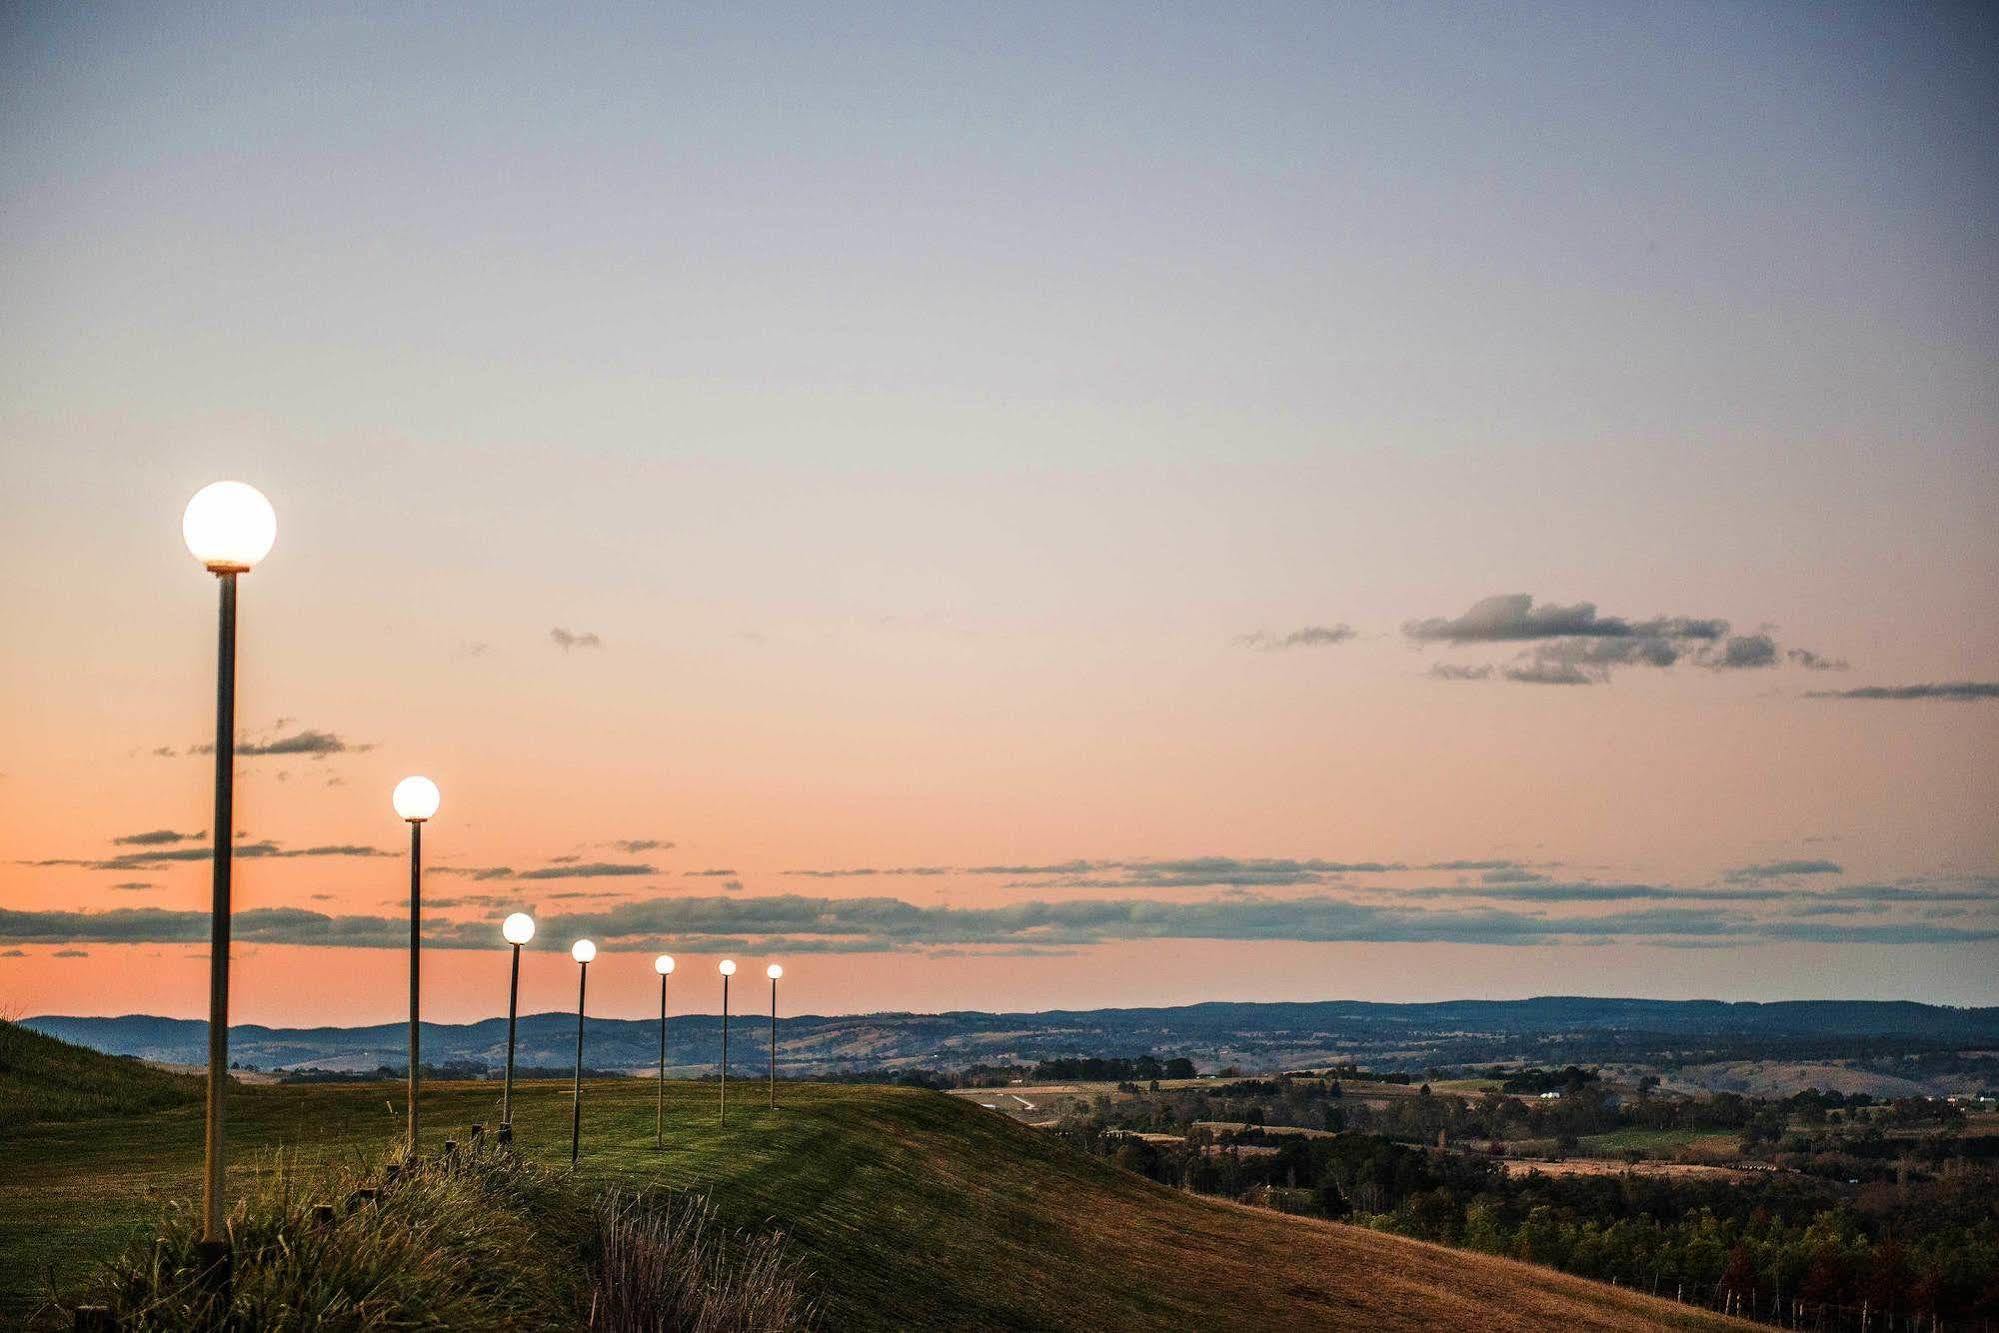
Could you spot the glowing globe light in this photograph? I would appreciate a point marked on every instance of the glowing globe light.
(518, 928)
(583, 951)
(415, 799)
(229, 526)
(663, 964)
(773, 971)
(728, 967)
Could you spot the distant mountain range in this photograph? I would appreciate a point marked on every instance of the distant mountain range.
(1551, 1029)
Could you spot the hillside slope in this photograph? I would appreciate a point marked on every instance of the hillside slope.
(45, 1079)
(913, 1210)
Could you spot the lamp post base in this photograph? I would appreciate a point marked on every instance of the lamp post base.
(217, 1278)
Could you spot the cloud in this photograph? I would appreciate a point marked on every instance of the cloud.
(316, 744)
(1549, 674)
(133, 885)
(474, 872)
(710, 874)
(1811, 661)
(565, 640)
(147, 860)
(1591, 892)
(861, 925)
(159, 837)
(1744, 652)
(1513, 618)
(1957, 691)
(1776, 869)
(1311, 636)
(72, 953)
(589, 870)
(1574, 645)
(867, 872)
(1512, 875)
(14, 953)
(632, 846)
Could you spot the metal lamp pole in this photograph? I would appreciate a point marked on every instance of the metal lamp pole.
(774, 972)
(415, 800)
(218, 929)
(582, 951)
(228, 527)
(664, 966)
(728, 970)
(416, 966)
(517, 930)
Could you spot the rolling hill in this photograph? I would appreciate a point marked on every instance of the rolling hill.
(910, 1209)
(1410, 1037)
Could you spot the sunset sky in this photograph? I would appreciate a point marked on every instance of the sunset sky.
(1007, 507)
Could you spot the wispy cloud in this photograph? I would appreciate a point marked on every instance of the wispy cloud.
(1310, 636)
(1779, 869)
(159, 837)
(148, 859)
(1513, 618)
(1575, 645)
(589, 870)
(567, 640)
(1956, 691)
(1811, 661)
(804, 924)
(309, 742)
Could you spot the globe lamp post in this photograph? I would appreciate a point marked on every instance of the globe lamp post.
(517, 930)
(415, 800)
(582, 951)
(728, 970)
(228, 527)
(664, 966)
(773, 972)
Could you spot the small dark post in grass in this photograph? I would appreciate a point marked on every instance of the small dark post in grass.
(478, 1133)
(390, 1172)
(506, 1136)
(94, 1319)
(450, 1147)
(322, 1216)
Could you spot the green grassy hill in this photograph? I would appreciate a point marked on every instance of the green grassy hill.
(45, 1079)
(911, 1210)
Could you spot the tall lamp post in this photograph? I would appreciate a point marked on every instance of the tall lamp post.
(773, 972)
(228, 527)
(415, 800)
(728, 970)
(517, 930)
(664, 966)
(582, 951)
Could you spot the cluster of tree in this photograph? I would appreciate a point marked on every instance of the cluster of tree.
(1926, 1247)
(1568, 1079)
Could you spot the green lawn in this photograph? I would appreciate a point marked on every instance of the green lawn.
(910, 1209)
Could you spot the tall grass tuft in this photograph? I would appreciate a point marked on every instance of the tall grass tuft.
(666, 1263)
(476, 1240)
(453, 1244)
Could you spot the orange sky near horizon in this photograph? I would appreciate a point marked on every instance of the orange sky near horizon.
(1369, 505)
